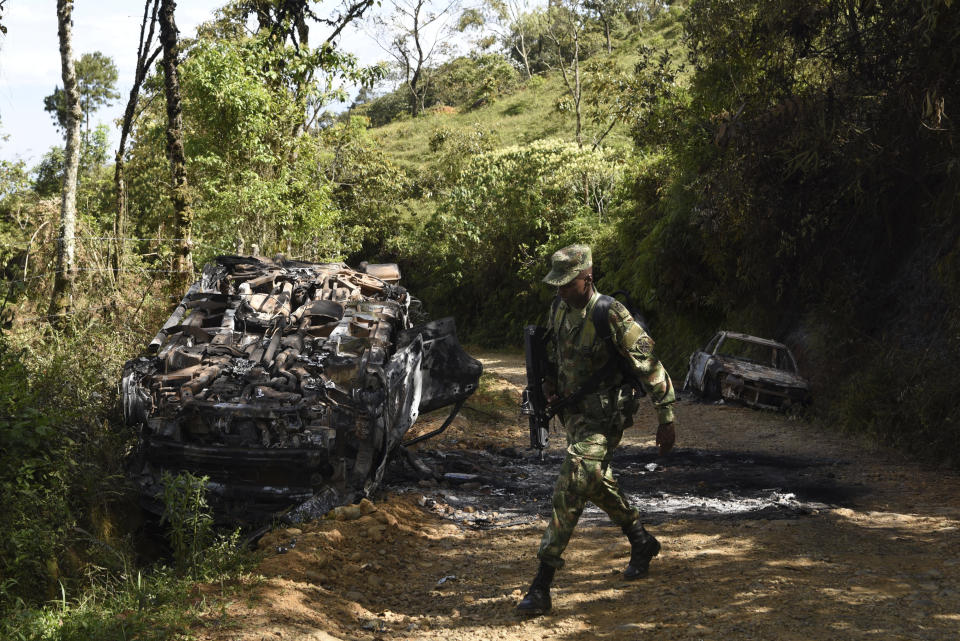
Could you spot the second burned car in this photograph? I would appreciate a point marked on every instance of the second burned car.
(288, 383)
(758, 372)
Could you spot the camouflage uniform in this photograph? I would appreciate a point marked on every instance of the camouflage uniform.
(595, 425)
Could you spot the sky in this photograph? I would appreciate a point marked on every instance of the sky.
(30, 61)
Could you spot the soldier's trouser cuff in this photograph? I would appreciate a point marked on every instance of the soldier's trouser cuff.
(665, 414)
(631, 522)
(552, 561)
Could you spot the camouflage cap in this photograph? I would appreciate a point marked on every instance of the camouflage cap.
(567, 263)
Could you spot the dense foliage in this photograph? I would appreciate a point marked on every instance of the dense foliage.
(814, 198)
(466, 82)
(58, 451)
(495, 229)
(250, 155)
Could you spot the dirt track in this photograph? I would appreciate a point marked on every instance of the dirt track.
(771, 529)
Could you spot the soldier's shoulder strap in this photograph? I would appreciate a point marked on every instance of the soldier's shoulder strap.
(601, 317)
(555, 313)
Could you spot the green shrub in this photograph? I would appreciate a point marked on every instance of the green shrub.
(188, 518)
(42, 436)
(489, 241)
(61, 451)
(470, 81)
(385, 109)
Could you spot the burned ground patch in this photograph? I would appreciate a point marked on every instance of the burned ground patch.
(503, 487)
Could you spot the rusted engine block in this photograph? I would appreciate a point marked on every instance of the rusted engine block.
(287, 382)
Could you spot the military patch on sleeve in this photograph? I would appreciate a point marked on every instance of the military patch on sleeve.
(621, 312)
(644, 344)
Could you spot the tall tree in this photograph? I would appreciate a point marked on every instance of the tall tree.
(606, 12)
(179, 195)
(566, 29)
(514, 24)
(145, 58)
(290, 19)
(285, 23)
(96, 87)
(60, 301)
(415, 35)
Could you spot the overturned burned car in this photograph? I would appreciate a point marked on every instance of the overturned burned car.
(755, 371)
(288, 384)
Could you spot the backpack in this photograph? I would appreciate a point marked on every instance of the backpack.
(601, 323)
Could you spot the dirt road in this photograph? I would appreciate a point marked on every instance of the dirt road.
(771, 529)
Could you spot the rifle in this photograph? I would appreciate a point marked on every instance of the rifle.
(533, 402)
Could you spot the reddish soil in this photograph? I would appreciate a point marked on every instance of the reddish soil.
(866, 551)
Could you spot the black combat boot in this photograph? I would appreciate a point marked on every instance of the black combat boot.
(537, 600)
(643, 547)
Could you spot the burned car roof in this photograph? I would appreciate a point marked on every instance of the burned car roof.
(288, 383)
(753, 339)
(758, 372)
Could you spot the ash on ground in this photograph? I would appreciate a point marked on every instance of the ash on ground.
(497, 488)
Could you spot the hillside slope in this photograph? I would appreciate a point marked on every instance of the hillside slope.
(529, 112)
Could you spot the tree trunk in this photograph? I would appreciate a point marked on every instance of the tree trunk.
(179, 196)
(415, 85)
(563, 31)
(524, 55)
(61, 299)
(575, 89)
(578, 90)
(144, 61)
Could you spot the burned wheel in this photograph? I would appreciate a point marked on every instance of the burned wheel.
(711, 387)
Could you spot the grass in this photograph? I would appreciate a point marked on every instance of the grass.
(154, 605)
(524, 116)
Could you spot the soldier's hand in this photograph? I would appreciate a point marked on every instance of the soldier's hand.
(666, 437)
(549, 390)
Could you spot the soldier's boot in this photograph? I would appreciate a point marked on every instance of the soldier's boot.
(643, 547)
(537, 600)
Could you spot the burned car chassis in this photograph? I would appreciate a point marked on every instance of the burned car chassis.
(287, 382)
(757, 372)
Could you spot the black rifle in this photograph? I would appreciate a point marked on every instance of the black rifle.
(534, 403)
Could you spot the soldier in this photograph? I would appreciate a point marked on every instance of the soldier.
(595, 424)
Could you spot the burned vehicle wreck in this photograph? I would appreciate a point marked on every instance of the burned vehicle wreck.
(288, 384)
(755, 371)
